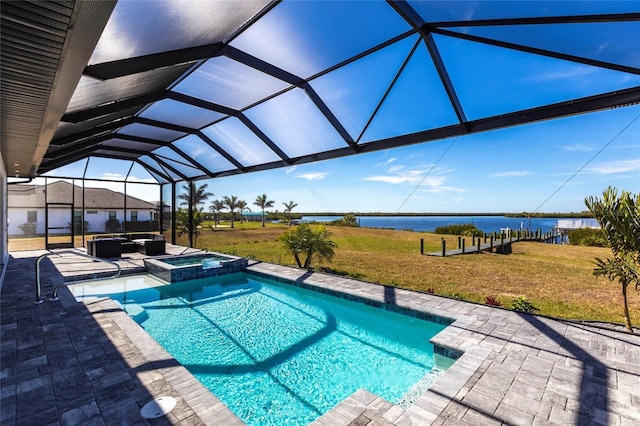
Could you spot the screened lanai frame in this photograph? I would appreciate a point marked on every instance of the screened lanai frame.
(243, 89)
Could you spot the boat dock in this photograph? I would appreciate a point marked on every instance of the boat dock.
(494, 243)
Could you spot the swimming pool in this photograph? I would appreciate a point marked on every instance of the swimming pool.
(278, 354)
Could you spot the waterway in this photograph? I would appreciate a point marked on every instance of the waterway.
(486, 224)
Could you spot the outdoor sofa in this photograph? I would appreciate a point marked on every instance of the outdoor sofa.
(115, 245)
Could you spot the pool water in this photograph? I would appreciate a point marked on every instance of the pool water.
(278, 354)
(193, 260)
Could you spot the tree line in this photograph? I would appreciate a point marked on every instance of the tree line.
(196, 197)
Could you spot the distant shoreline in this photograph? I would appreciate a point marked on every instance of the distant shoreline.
(521, 215)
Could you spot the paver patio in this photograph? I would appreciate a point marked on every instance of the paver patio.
(88, 363)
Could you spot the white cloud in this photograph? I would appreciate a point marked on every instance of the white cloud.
(396, 176)
(112, 176)
(441, 189)
(313, 176)
(430, 184)
(130, 179)
(512, 173)
(612, 167)
(389, 161)
(578, 147)
(289, 170)
(570, 72)
(135, 179)
(388, 179)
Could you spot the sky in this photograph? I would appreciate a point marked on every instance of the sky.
(548, 166)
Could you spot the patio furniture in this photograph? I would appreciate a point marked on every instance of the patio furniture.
(151, 247)
(105, 247)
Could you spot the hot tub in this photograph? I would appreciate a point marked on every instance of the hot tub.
(193, 266)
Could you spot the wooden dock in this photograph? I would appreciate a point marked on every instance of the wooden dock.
(494, 243)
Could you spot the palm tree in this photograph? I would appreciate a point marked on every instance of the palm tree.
(619, 218)
(302, 240)
(242, 207)
(261, 201)
(191, 197)
(215, 208)
(288, 207)
(198, 196)
(232, 204)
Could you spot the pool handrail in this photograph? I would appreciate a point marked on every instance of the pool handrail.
(54, 296)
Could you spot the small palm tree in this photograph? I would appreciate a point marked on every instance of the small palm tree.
(302, 240)
(262, 202)
(288, 207)
(619, 218)
(215, 208)
(184, 225)
(232, 204)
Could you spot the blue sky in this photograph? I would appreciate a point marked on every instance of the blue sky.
(509, 170)
(548, 166)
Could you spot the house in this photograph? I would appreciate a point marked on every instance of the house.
(565, 225)
(30, 209)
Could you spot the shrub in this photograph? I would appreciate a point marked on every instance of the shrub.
(302, 241)
(77, 226)
(28, 228)
(523, 305)
(112, 225)
(465, 229)
(493, 301)
(347, 220)
(588, 237)
(140, 226)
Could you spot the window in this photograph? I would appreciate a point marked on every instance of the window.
(134, 216)
(112, 215)
(92, 211)
(32, 216)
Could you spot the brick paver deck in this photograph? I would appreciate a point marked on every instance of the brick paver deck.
(71, 363)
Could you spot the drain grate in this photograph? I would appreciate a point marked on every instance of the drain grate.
(158, 407)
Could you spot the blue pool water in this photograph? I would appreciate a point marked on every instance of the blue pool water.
(205, 260)
(278, 354)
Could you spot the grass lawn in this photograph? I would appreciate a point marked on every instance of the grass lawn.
(557, 279)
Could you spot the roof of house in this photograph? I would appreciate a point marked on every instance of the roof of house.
(61, 192)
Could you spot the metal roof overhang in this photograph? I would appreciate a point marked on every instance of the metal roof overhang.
(44, 48)
(118, 92)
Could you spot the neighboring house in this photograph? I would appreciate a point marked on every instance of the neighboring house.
(102, 207)
(571, 224)
(565, 225)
